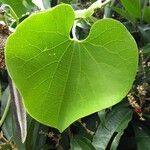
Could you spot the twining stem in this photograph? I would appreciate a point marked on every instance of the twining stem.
(89, 11)
(5, 111)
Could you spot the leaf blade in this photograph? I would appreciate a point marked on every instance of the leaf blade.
(62, 71)
(116, 121)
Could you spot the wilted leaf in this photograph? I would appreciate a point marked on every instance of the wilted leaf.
(18, 111)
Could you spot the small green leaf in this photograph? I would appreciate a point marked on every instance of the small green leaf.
(113, 128)
(62, 79)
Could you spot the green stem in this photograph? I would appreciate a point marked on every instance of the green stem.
(89, 11)
(13, 14)
(108, 10)
(74, 30)
(5, 111)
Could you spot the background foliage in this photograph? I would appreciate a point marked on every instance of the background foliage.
(123, 126)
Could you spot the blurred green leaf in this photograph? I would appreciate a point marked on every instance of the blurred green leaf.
(145, 34)
(65, 1)
(142, 136)
(116, 141)
(0, 90)
(6, 147)
(133, 7)
(7, 125)
(116, 121)
(81, 143)
(124, 14)
(146, 16)
(19, 6)
(35, 139)
(146, 49)
(102, 116)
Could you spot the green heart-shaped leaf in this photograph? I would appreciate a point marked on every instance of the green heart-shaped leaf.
(62, 79)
